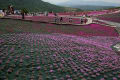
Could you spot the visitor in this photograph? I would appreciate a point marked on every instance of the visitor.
(55, 19)
(33, 14)
(3, 12)
(23, 14)
(61, 19)
(82, 21)
(46, 13)
(70, 20)
(85, 21)
(74, 14)
(55, 14)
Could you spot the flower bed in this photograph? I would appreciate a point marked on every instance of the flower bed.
(56, 56)
(111, 17)
(89, 13)
(86, 30)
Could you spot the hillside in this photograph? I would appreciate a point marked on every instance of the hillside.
(40, 51)
(33, 5)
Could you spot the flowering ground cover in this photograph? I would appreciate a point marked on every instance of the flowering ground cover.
(11, 26)
(43, 51)
(111, 17)
(89, 13)
(34, 56)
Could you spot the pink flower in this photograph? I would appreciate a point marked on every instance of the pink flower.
(114, 78)
(38, 68)
(51, 71)
(102, 79)
(27, 56)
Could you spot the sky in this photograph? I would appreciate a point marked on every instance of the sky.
(60, 1)
(55, 1)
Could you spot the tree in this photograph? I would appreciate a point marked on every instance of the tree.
(24, 10)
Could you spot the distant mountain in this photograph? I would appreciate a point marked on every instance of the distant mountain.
(34, 5)
(89, 5)
(115, 8)
(88, 2)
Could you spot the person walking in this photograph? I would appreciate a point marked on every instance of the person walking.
(56, 17)
(61, 19)
(70, 20)
(23, 14)
(55, 14)
(86, 20)
(82, 21)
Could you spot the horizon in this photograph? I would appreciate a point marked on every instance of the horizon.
(62, 1)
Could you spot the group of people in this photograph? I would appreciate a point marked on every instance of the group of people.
(60, 19)
(57, 18)
(70, 20)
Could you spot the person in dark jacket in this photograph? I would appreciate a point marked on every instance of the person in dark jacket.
(23, 14)
(70, 20)
(61, 19)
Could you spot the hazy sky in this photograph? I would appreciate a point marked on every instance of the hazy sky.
(60, 1)
(55, 1)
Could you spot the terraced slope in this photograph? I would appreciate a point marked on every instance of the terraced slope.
(38, 51)
(16, 26)
(57, 56)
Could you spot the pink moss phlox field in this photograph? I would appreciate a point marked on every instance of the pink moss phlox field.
(57, 53)
(91, 29)
(111, 17)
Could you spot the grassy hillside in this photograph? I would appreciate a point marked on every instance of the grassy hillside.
(29, 51)
(33, 5)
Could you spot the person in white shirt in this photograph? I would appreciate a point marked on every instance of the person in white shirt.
(2, 14)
